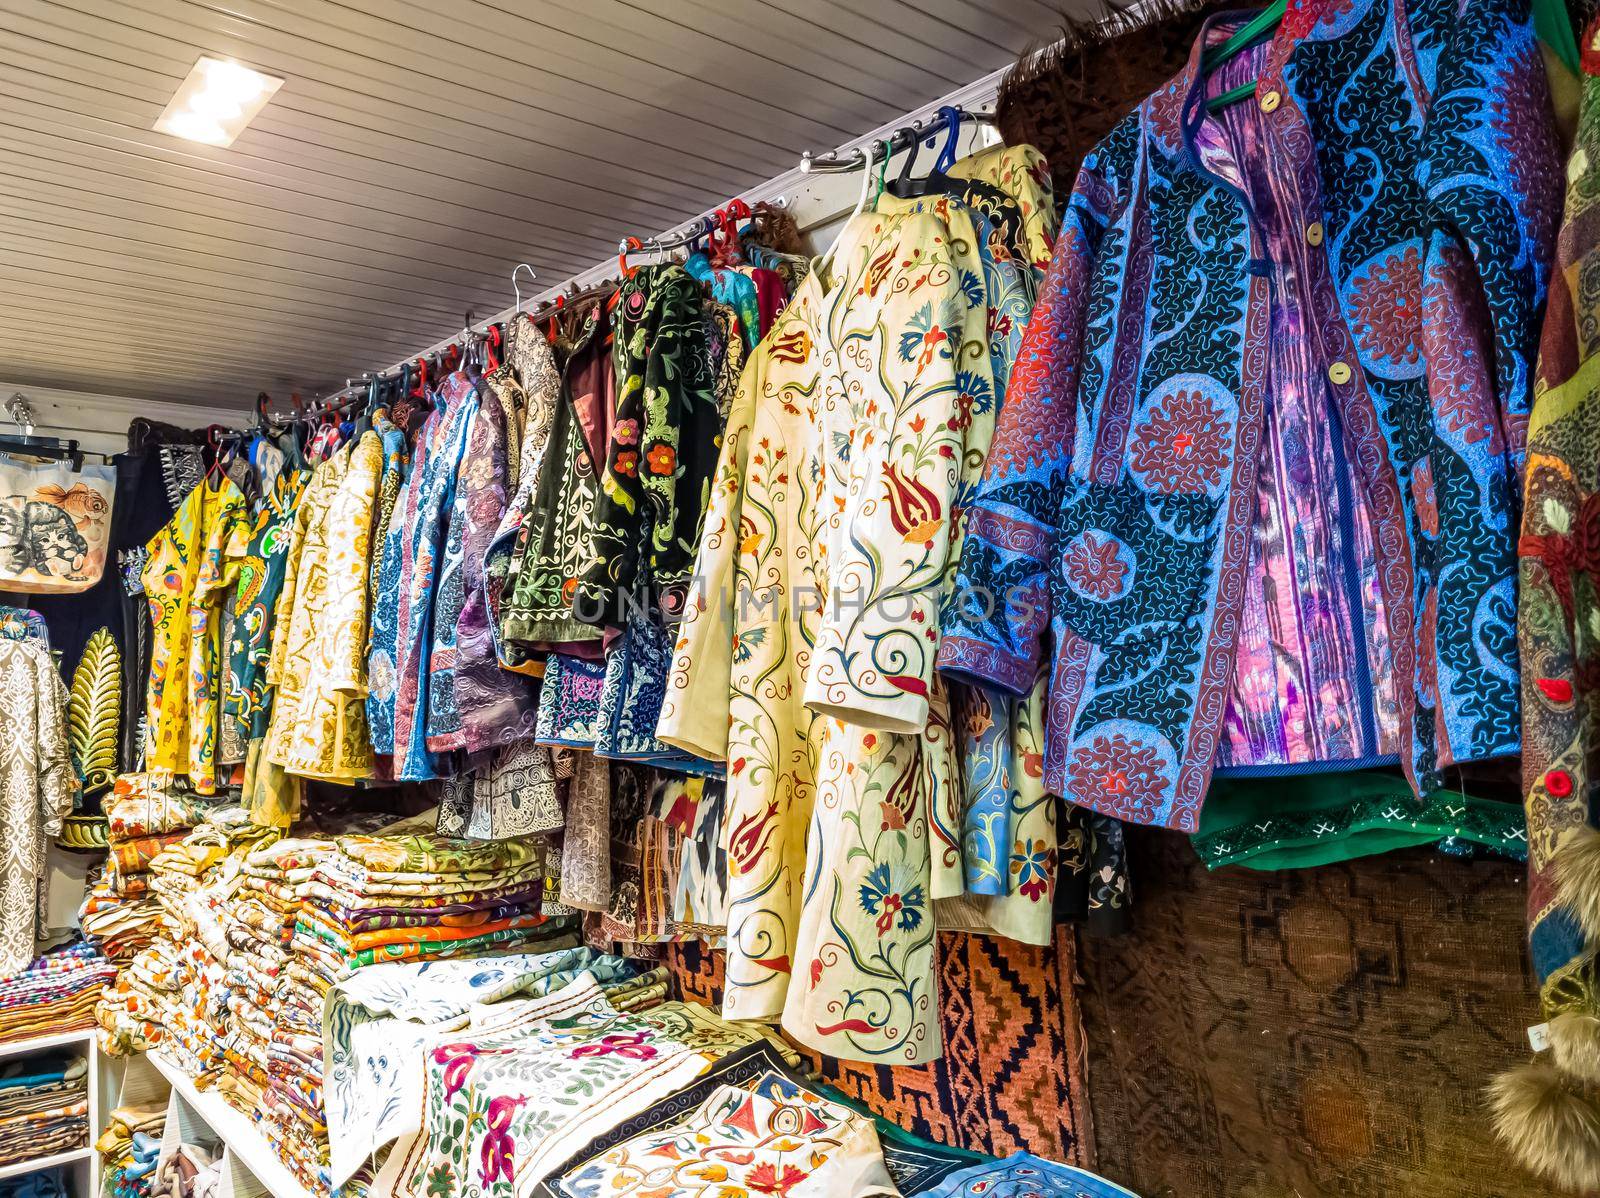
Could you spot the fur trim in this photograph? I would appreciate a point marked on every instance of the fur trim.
(1550, 1129)
(1575, 1045)
(1577, 870)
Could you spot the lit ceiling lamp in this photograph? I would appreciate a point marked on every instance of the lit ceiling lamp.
(216, 101)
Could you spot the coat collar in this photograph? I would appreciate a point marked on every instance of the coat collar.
(1174, 113)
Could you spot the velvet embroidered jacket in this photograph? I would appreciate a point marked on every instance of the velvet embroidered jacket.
(1252, 494)
(662, 451)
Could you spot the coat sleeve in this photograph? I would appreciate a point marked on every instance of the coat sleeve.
(1493, 181)
(994, 623)
(57, 782)
(873, 662)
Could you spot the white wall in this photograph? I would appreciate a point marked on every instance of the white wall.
(99, 423)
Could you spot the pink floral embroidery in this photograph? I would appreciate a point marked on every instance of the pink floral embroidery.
(495, 1153)
(1181, 447)
(457, 1061)
(633, 1046)
(1095, 567)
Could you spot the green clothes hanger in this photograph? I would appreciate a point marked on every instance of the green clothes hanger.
(1257, 29)
(1554, 27)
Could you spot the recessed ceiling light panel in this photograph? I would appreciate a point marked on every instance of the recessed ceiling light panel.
(216, 101)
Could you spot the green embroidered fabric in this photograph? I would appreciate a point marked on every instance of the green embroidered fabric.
(1298, 822)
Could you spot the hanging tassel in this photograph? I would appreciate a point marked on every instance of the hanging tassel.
(1577, 871)
(1550, 1127)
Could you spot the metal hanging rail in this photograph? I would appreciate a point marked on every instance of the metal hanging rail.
(839, 162)
(904, 132)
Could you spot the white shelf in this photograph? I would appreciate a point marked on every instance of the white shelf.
(33, 1165)
(238, 1133)
(81, 1165)
(17, 1048)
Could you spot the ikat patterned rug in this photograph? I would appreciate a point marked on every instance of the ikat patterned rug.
(1012, 1077)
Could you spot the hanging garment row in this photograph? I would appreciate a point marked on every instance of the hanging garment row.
(813, 606)
(482, 594)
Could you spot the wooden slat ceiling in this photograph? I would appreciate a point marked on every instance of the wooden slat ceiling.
(417, 151)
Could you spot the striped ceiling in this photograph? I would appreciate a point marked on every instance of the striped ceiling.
(415, 153)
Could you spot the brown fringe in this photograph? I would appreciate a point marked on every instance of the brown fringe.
(1065, 98)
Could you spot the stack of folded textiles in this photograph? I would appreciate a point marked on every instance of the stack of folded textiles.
(258, 927)
(57, 993)
(44, 1106)
(128, 1149)
(174, 993)
(192, 1171)
(368, 899)
(142, 819)
(36, 1183)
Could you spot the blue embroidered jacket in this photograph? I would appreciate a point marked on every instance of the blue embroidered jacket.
(1252, 497)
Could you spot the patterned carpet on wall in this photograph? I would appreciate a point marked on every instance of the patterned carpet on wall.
(1012, 1074)
(1317, 1033)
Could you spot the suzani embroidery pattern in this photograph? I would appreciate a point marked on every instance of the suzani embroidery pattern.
(1201, 428)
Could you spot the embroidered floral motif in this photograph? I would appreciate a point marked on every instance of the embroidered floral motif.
(1095, 566)
(495, 1152)
(886, 894)
(1385, 306)
(662, 459)
(1125, 776)
(1033, 865)
(635, 1047)
(1183, 445)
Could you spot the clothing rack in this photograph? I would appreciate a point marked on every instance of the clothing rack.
(903, 138)
(813, 191)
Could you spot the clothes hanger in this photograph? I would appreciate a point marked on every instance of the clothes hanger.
(947, 156)
(215, 444)
(533, 277)
(937, 181)
(493, 348)
(725, 236)
(53, 448)
(870, 166)
(628, 243)
(26, 443)
(363, 421)
(1258, 28)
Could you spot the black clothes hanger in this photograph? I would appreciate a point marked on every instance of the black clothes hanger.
(936, 181)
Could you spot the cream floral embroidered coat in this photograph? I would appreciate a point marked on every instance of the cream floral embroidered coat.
(831, 528)
(319, 720)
